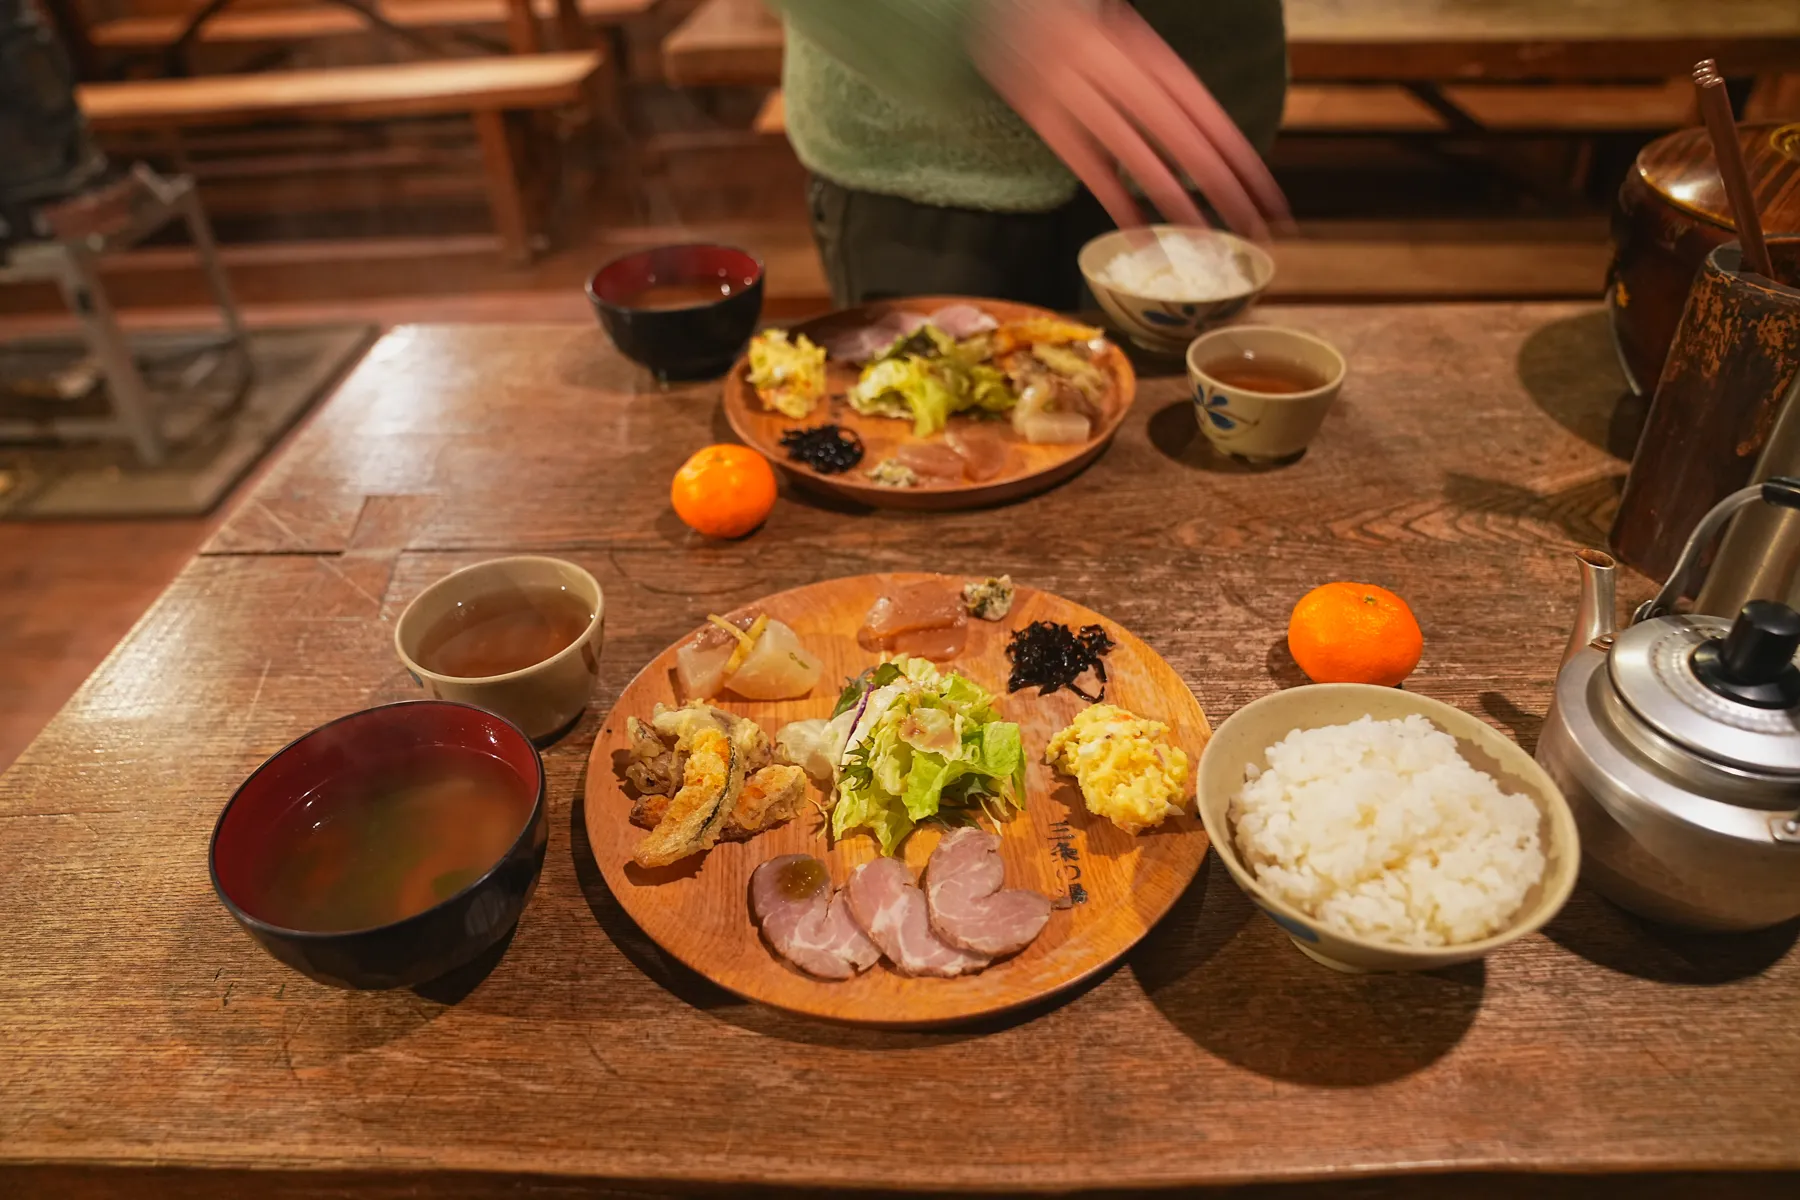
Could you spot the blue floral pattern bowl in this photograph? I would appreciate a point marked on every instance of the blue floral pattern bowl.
(1166, 326)
(1262, 426)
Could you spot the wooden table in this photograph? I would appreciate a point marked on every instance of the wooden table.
(1424, 41)
(144, 1030)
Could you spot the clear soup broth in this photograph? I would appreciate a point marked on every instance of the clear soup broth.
(367, 850)
(1264, 373)
(503, 631)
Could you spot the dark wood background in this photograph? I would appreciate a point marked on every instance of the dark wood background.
(1467, 456)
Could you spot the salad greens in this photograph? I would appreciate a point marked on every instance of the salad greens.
(920, 743)
(927, 376)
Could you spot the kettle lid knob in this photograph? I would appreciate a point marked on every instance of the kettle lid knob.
(1754, 662)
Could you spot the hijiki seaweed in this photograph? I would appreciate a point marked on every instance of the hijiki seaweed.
(828, 449)
(1050, 657)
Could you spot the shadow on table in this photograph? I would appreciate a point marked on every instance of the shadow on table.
(1606, 935)
(1175, 432)
(1571, 371)
(1230, 980)
(1280, 664)
(1582, 513)
(1524, 726)
(694, 989)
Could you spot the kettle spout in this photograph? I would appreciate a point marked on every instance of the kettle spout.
(1595, 613)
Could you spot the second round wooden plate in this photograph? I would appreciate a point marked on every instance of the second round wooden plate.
(1027, 469)
(1109, 887)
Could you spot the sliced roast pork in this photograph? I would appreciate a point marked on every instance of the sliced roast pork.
(963, 321)
(805, 922)
(861, 344)
(963, 894)
(891, 910)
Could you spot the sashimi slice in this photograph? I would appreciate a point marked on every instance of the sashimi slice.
(913, 606)
(982, 451)
(933, 462)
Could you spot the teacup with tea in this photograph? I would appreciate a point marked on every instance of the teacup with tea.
(1261, 392)
(517, 636)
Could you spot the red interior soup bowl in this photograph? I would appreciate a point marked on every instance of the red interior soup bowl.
(683, 311)
(388, 847)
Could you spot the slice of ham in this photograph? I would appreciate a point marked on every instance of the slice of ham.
(925, 619)
(967, 907)
(963, 320)
(866, 341)
(805, 922)
(892, 911)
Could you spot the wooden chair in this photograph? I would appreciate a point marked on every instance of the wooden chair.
(494, 92)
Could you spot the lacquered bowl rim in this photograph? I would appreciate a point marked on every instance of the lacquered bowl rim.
(251, 921)
(598, 301)
(594, 622)
(1560, 816)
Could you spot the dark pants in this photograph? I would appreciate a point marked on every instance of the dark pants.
(877, 247)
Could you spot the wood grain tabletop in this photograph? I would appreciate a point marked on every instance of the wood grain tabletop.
(145, 1042)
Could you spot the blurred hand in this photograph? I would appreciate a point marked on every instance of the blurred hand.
(1107, 94)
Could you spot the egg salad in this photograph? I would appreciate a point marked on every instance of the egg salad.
(789, 376)
(1128, 770)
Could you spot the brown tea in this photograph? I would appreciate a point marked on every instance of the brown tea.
(1263, 373)
(365, 850)
(683, 295)
(503, 631)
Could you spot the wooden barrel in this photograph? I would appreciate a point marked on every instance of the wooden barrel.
(1671, 213)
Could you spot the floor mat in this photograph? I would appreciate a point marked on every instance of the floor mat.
(219, 422)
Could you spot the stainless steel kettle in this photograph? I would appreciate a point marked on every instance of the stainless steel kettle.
(1677, 743)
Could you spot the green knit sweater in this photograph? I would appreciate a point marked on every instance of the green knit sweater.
(882, 95)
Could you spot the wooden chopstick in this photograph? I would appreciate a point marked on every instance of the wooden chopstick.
(1715, 108)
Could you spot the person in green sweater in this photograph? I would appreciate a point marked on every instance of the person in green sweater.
(972, 146)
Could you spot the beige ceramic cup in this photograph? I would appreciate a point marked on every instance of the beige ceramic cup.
(1262, 426)
(540, 699)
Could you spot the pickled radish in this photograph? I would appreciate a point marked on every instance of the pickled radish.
(778, 667)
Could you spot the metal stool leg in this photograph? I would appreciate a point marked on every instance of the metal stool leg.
(188, 201)
(86, 297)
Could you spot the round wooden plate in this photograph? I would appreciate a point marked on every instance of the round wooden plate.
(1027, 469)
(1109, 887)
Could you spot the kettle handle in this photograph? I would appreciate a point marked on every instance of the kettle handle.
(1780, 490)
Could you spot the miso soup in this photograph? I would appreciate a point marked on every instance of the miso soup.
(503, 631)
(365, 850)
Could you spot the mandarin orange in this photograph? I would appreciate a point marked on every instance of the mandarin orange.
(724, 491)
(1354, 633)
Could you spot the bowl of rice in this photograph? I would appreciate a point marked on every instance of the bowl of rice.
(1163, 284)
(1383, 830)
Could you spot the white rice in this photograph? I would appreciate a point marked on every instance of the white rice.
(1180, 267)
(1382, 830)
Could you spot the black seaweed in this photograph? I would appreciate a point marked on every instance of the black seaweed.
(827, 449)
(1051, 657)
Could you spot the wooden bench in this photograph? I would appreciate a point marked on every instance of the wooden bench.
(1389, 109)
(739, 42)
(490, 90)
(307, 22)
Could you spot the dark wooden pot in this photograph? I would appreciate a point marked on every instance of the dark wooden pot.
(1671, 214)
(1736, 351)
